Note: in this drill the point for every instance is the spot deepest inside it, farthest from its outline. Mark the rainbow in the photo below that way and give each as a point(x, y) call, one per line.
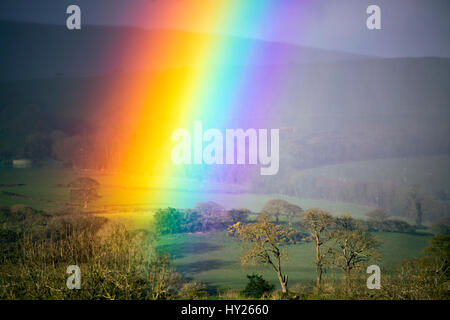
point(212, 78)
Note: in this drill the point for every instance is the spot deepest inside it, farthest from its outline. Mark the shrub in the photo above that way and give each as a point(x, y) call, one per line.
point(401, 226)
point(164, 281)
point(118, 265)
point(83, 183)
point(168, 220)
point(213, 215)
point(238, 215)
point(301, 290)
point(5, 213)
point(441, 226)
point(60, 227)
point(378, 215)
point(192, 221)
point(209, 208)
point(193, 290)
point(20, 212)
point(390, 226)
point(257, 286)
point(227, 293)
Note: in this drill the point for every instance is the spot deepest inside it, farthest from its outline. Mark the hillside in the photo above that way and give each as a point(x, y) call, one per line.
point(381, 92)
point(35, 51)
point(351, 107)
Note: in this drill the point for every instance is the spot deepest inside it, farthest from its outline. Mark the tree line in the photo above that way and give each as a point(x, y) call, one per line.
point(117, 263)
point(344, 243)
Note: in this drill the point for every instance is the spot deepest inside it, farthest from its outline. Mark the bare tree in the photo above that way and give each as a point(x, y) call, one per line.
point(84, 189)
point(354, 247)
point(265, 239)
point(278, 207)
point(319, 224)
point(211, 213)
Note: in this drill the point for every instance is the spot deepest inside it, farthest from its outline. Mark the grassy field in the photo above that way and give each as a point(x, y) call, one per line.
point(43, 184)
point(214, 258)
point(430, 171)
point(132, 205)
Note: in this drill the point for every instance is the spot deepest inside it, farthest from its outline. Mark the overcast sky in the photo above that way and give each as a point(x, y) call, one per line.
point(409, 27)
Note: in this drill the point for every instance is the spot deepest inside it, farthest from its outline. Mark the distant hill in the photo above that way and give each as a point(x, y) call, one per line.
point(34, 50)
point(401, 93)
point(354, 109)
point(339, 104)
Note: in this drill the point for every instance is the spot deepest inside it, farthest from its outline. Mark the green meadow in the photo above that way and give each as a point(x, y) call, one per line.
point(211, 258)
point(45, 184)
point(214, 258)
